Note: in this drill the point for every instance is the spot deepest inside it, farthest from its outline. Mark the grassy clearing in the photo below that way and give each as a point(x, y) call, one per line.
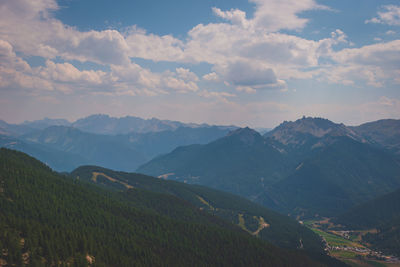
point(242, 223)
point(96, 174)
point(334, 240)
point(205, 203)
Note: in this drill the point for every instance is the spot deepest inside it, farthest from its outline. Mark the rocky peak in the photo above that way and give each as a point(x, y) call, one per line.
point(295, 132)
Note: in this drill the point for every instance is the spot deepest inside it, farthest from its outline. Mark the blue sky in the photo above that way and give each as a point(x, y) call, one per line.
point(254, 63)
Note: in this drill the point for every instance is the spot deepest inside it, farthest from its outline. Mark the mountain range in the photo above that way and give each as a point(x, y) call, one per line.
point(308, 167)
point(304, 168)
point(103, 124)
point(65, 146)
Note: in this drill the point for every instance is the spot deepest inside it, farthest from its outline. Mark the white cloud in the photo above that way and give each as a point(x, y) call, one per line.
point(220, 96)
point(66, 72)
point(390, 15)
point(376, 64)
point(274, 15)
point(153, 47)
point(186, 74)
point(212, 76)
point(15, 73)
point(235, 16)
point(272, 57)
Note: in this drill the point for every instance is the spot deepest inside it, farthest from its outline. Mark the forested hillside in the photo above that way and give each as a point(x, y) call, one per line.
point(47, 220)
point(256, 219)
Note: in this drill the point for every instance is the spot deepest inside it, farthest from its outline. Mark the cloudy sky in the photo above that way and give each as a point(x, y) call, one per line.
point(255, 62)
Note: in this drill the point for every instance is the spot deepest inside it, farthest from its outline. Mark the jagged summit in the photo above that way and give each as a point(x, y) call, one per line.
point(290, 132)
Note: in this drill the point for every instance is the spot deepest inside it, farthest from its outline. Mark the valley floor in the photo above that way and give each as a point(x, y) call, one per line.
point(348, 247)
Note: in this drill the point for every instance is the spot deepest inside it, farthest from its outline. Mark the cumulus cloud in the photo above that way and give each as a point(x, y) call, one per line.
point(153, 47)
point(66, 72)
point(235, 16)
point(374, 63)
point(389, 15)
point(186, 74)
point(274, 15)
point(247, 77)
point(212, 76)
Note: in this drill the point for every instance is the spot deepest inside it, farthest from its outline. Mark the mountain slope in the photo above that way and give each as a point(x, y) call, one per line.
point(384, 133)
point(281, 230)
point(337, 177)
point(381, 210)
point(47, 219)
point(237, 163)
point(383, 214)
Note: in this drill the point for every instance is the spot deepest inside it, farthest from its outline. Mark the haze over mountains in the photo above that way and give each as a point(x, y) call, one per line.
point(117, 143)
point(303, 168)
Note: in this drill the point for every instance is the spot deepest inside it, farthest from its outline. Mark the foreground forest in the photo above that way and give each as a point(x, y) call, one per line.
point(48, 219)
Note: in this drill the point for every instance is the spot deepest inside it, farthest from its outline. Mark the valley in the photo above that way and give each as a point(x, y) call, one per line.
point(348, 246)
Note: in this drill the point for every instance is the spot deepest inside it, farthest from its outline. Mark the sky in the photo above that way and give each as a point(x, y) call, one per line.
point(249, 63)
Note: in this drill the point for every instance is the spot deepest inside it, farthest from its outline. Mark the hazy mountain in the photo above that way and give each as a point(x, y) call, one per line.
point(119, 152)
point(50, 219)
point(14, 129)
point(307, 167)
point(303, 131)
point(385, 133)
point(236, 163)
point(57, 159)
point(103, 150)
point(104, 124)
point(155, 143)
point(45, 123)
point(262, 130)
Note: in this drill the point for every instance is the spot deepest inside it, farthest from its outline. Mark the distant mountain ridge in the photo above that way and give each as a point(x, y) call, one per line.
point(116, 143)
point(56, 146)
point(105, 124)
point(384, 133)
